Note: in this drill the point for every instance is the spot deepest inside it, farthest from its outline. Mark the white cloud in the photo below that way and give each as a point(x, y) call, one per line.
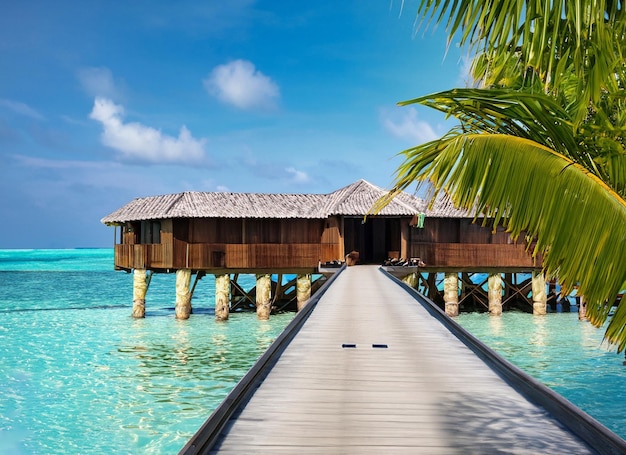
point(21, 109)
point(240, 84)
point(409, 127)
point(222, 189)
point(297, 176)
point(98, 82)
point(465, 78)
point(140, 142)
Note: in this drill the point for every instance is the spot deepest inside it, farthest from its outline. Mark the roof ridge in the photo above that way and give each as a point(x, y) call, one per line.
point(349, 191)
point(401, 202)
point(350, 200)
point(394, 199)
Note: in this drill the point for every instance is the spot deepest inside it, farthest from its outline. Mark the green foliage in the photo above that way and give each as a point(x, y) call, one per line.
point(540, 146)
point(533, 190)
point(549, 36)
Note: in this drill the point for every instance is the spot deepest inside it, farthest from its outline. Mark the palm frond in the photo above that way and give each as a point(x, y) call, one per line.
point(598, 145)
point(534, 116)
point(587, 36)
point(577, 219)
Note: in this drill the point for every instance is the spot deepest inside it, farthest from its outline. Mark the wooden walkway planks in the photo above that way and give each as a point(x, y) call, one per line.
point(425, 393)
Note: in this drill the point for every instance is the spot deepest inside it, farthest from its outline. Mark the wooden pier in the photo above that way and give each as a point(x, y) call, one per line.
point(371, 367)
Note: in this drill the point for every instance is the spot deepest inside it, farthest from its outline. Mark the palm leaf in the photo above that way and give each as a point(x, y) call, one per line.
point(597, 145)
point(577, 220)
point(586, 36)
point(534, 116)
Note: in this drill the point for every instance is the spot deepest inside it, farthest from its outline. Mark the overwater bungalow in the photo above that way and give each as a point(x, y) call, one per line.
point(226, 234)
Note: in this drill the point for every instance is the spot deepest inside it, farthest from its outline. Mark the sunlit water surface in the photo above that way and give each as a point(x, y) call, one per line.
point(78, 375)
point(565, 354)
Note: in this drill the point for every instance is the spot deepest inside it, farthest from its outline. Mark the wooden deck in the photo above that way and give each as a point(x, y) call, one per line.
point(425, 392)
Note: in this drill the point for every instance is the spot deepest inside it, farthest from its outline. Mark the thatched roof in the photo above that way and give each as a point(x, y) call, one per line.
point(353, 200)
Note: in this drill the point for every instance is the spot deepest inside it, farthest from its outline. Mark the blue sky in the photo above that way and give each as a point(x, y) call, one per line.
point(105, 101)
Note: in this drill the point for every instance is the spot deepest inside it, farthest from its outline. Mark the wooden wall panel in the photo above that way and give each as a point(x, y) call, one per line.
point(203, 230)
point(230, 230)
point(160, 256)
point(166, 226)
point(237, 256)
point(262, 231)
point(272, 256)
point(180, 229)
point(473, 256)
point(300, 231)
point(404, 238)
point(330, 252)
point(331, 232)
point(474, 232)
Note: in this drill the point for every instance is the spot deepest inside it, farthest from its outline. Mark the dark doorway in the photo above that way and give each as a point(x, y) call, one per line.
point(375, 240)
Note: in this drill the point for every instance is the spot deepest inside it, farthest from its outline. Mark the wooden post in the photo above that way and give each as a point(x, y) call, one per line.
point(495, 294)
point(140, 289)
point(222, 296)
point(303, 290)
point(183, 296)
point(411, 280)
point(451, 293)
point(431, 282)
point(539, 293)
point(508, 285)
point(263, 296)
point(582, 308)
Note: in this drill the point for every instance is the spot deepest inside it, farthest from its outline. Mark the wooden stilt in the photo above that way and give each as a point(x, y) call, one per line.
point(582, 308)
point(199, 276)
point(451, 293)
point(539, 293)
point(495, 294)
point(240, 299)
point(303, 289)
point(222, 296)
point(516, 291)
point(432, 285)
point(278, 290)
point(263, 296)
point(508, 285)
point(183, 294)
point(422, 284)
point(466, 286)
point(141, 281)
point(473, 291)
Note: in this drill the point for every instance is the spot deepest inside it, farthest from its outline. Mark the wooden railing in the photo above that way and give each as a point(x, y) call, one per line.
point(474, 256)
point(144, 256)
point(272, 256)
point(204, 256)
point(201, 256)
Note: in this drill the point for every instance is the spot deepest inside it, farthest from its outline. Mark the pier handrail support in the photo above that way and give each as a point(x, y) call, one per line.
point(593, 433)
point(208, 434)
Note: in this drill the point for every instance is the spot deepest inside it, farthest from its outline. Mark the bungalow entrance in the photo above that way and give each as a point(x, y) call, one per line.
point(376, 239)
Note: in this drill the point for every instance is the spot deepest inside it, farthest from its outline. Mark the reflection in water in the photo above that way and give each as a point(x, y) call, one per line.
point(79, 375)
point(182, 369)
point(539, 336)
point(565, 354)
point(495, 324)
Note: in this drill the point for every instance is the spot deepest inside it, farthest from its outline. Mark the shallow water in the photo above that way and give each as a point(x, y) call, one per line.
point(565, 354)
point(79, 375)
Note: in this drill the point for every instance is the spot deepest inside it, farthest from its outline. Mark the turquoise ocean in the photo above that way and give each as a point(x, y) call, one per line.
point(78, 375)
